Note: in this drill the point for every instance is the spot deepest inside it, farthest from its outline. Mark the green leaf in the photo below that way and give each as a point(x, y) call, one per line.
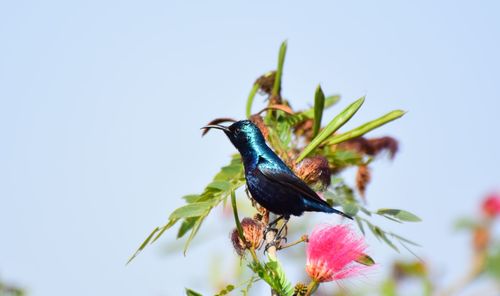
point(399, 214)
point(309, 113)
point(279, 71)
point(384, 237)
point(236, 218)
point(360, 225)
point(250, 99)
point(332, 127)
point(186, 225)
point(366, 260)
point(403, 239)
point(465, 224)
point(220, 185)
point(493, 262)
point(350, 208)
point(331, 100)
point(190, 292)
point(319, 105)
point(196, 227)
point(363, 129)
point(158, 231)
point(191, 198)
point(225, 291)
point(191, 210)
point(144, 244)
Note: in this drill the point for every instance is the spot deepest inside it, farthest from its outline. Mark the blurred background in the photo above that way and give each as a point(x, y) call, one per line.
point(101, 105)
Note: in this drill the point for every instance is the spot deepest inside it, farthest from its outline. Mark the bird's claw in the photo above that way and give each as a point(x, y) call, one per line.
point(277, 243)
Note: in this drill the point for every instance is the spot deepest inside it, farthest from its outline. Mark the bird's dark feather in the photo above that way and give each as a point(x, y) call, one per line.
point(290, 181)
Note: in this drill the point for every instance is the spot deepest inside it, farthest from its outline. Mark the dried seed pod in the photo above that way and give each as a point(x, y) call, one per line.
point(384, 143)
point(314, 171)
point(266, 82)
point(253, 232)
point(363, 177)
point(372, 147)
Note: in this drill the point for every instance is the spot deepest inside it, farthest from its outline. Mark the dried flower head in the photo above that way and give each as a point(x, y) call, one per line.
point(372, 147)
point(363, 177)
point(253, 232)
point(332, 252)
point(491, 205)
point(314, 171)
point(266, 82)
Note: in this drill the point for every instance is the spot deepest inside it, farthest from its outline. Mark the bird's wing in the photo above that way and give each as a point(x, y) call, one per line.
point(289, 180)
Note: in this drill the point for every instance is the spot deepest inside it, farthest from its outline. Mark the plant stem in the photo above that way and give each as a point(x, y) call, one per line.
point(254, 255)
point(303, 238)
point(312, 287)
point(270, 235)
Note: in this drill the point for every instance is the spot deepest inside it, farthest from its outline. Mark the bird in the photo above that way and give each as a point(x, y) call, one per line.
point(269, 180)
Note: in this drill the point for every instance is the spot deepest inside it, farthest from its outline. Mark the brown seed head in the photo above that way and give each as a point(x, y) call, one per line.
point(253, 232)
point(266, 82)
point(363, 177)
point(314, 171)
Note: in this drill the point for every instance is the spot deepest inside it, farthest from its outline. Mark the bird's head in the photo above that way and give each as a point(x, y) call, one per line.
point(243, 134)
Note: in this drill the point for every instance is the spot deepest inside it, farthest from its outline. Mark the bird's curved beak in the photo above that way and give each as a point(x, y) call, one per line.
point(206, 128)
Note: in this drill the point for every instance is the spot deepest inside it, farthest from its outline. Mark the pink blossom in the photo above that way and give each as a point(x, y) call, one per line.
point(491, 205)
point(332, 252)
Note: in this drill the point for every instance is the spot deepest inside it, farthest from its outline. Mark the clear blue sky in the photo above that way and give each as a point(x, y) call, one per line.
point(101, 104)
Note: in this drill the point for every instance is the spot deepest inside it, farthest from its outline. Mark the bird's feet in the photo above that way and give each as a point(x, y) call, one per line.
point(277, 243)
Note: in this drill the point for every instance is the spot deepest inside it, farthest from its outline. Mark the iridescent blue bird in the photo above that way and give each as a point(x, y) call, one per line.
point(271, 183)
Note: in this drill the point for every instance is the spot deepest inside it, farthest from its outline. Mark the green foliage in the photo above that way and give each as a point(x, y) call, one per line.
point(363, 129)
point(225, 291)
point(199, 206)
point(319, 105)
point(272, 273)
point(493, 262)
point(279, 72)
point(332, 127)
point(288, 132)
point(399, 214)
point(250, 99)
point(190, 292)
point(236, 217)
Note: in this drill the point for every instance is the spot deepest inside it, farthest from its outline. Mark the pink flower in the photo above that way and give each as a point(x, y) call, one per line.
point(491, 205)
point(332, 252)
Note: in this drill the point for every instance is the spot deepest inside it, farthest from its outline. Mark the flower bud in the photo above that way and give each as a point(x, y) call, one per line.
point(491, 205)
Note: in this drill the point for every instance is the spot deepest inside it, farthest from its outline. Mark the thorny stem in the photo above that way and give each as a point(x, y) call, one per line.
point(312, 287)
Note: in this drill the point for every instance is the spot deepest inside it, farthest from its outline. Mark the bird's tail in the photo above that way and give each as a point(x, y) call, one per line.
point(326, 208)
point(332, 210)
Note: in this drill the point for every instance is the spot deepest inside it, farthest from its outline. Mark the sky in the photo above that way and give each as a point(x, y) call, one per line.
point(101, 104)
